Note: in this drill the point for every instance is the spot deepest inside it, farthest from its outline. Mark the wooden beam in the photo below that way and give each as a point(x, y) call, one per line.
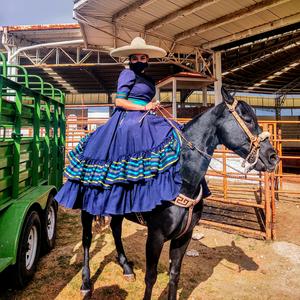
point(174, 102)
point(180, 13)
point(229, 18)
point(253, 31)
point(129, 9)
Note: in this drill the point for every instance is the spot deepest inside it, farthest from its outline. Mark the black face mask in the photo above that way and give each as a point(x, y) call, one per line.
point(138, 67)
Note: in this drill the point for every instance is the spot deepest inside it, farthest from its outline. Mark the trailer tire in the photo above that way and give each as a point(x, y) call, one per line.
point(28, 250)
point(49, 228)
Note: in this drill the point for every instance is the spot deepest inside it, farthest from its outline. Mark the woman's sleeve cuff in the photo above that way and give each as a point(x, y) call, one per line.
point(121, 95)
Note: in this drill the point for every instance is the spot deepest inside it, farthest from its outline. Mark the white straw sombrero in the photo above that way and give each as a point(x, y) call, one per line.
point(138, 46)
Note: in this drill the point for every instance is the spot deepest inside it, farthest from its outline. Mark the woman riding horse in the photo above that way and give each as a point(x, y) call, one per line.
point(135, 163)
point(130, 164)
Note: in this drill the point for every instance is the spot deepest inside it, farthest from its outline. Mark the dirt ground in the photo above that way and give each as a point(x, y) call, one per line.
point(229, 266)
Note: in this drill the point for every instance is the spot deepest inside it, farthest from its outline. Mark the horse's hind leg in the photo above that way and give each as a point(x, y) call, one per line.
point(116, 227)
point(177, 251)
point(86, 221)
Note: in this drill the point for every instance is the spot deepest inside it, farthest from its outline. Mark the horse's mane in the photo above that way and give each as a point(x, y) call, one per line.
point(195, 119)
point(245, 106)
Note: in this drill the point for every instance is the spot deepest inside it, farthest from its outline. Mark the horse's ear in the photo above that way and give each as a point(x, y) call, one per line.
point(226, 96)
point(233, 244)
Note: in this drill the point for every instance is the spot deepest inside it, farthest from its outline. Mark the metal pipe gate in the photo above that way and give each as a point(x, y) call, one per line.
point(252, 197)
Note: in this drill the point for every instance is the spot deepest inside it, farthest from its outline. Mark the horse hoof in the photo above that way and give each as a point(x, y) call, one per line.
point(129, 277)
point(86, 294)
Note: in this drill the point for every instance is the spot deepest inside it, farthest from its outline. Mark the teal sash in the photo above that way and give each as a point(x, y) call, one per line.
point(138, 101)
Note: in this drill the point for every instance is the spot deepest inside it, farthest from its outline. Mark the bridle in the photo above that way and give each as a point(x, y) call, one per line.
point(255, 140)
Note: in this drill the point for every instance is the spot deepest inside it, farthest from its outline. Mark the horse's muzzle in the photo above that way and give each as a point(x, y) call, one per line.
point(271, 160)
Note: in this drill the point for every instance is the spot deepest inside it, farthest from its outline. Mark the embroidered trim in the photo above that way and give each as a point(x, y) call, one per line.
point(138, 166)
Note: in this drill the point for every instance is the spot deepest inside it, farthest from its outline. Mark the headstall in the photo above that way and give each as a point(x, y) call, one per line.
point(255, 140)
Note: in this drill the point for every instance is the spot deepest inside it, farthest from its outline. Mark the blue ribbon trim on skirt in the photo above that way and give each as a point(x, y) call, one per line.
point(131, 168)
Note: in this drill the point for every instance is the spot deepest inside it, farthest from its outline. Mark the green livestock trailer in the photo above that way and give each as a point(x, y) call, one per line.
point(32, 137)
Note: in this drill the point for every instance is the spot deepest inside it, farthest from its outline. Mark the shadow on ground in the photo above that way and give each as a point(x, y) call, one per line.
point(191, 276)
point(57, 269)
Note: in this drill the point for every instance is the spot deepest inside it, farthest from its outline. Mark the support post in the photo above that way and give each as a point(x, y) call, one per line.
point(109, 100)
point(267, 206)
point(204, 96)
point(157, 94)
point(174, 104)
point(278, 108)
point(218, 74)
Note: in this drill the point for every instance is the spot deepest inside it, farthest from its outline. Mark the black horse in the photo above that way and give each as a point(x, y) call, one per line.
point(216, 126)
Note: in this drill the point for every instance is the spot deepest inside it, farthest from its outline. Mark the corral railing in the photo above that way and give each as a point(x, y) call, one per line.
point(244, 205)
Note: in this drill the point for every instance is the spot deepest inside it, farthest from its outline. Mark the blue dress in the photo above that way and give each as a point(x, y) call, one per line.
point(130, 164)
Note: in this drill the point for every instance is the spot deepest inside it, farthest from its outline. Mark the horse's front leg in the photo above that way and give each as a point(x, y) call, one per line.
point(86, 221)
point(154, 245)
point(116, 227)
point(177, 251)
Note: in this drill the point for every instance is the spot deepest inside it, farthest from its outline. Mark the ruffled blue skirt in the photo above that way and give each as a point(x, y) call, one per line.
point(130, 164)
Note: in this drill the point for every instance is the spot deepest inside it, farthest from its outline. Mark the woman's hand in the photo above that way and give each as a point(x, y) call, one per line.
point(152, 105)
point(127, 105)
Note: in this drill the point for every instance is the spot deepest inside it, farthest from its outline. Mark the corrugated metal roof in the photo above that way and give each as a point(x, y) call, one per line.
point(217, 33)
point(99, 29)
point(134, 21)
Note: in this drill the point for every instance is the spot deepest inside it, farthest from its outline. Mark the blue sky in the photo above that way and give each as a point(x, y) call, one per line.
point(30, 12)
